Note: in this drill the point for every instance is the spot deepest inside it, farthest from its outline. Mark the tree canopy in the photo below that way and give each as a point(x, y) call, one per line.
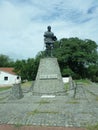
point(26, 68)
point(76, 54)
point(5, 61)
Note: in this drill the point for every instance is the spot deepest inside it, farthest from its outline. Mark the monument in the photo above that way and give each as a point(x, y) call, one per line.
point(49, 80)
point(49, 39)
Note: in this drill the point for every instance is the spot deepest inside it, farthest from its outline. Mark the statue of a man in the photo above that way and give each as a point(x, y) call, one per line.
point(49, 40)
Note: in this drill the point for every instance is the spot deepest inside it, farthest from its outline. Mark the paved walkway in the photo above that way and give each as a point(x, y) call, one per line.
point(59, 111)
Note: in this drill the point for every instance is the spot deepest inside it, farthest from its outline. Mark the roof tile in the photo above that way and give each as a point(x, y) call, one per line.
point(8, 70)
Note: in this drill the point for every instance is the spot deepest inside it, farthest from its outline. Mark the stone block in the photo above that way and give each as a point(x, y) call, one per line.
point(16, 92)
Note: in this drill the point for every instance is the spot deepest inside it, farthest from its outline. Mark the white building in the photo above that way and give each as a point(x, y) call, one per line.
point(67, 79)
point(8, 77)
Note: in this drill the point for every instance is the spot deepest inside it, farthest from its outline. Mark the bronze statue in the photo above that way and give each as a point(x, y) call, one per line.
point(49, 39)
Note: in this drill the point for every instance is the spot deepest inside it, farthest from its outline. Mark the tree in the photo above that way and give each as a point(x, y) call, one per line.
point(5, 61)
point(19, 68)
point(93, 72)
point(76, 54)
point(67, 72)
point(27, 69)
point(31, 67)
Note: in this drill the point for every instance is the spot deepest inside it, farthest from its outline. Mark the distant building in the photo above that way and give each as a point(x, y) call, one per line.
point(8, 77)
point(67, 79)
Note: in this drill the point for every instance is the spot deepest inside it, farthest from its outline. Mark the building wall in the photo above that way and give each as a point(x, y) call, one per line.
point(8, 79)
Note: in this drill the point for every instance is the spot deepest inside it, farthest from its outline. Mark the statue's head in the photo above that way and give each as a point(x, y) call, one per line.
point(49, 28)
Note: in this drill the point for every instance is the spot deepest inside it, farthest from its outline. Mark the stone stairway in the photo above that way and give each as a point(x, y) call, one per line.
point(48, 79)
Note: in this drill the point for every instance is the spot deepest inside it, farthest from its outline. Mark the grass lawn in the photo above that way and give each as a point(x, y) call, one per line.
point(92, 127)
point(83, 81)
point(27, 84)
point(5, 88)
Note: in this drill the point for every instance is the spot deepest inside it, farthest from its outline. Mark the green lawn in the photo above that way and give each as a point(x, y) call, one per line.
point(27, 84)
point(83, 81)
point(5, 88)
point(92, 127)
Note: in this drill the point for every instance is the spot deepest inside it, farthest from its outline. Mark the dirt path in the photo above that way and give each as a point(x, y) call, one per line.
point(10, 127)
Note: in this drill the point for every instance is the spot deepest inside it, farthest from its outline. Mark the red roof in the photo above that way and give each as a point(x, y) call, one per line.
point(8, 70)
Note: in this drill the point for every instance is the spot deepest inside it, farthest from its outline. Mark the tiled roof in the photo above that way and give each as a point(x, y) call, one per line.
point(8, 70)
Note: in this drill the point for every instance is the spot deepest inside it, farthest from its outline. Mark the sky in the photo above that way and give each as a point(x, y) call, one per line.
point(23, 23)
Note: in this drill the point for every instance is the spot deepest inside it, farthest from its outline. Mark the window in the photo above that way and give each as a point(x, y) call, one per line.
point(6, 78)
point(17, 77)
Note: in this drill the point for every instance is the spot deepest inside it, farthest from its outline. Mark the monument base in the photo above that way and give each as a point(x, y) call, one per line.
point(48, 79)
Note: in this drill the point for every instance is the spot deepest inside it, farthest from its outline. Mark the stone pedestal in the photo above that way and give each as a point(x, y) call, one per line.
point(48, 80)
point(16, 92)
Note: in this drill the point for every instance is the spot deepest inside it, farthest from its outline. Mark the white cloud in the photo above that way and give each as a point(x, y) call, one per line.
point(23, 22)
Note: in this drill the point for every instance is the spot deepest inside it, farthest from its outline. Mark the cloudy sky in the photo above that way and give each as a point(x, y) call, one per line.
point(23, 22)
